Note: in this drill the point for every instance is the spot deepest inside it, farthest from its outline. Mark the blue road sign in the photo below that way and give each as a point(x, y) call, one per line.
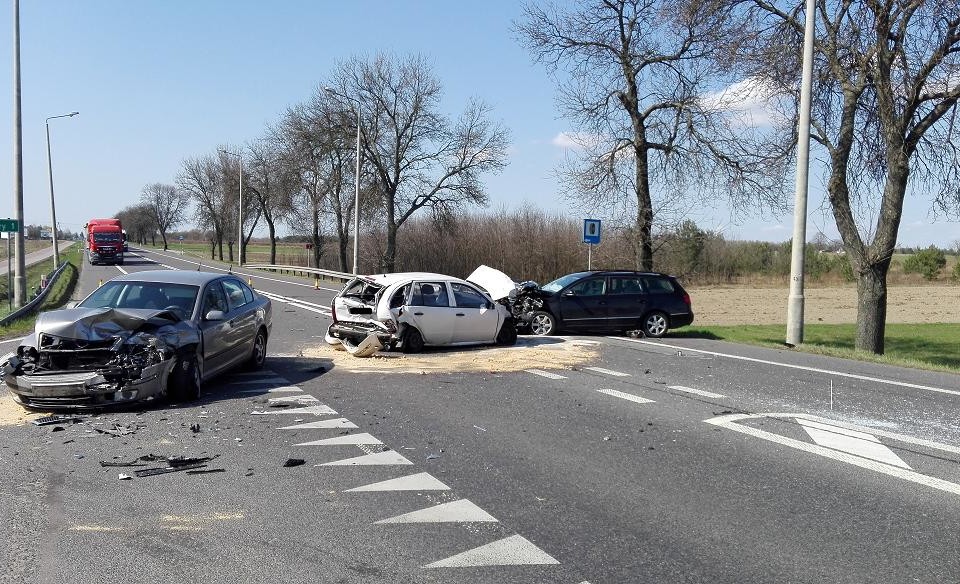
point(591, 231)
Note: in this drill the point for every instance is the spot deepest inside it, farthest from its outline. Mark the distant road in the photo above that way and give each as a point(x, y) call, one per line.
point(38, 256)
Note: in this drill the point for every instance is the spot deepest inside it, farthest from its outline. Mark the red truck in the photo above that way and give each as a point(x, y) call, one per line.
point(105, 241)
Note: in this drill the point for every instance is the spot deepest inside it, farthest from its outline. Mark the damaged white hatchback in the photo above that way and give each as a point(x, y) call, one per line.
point(413, 310)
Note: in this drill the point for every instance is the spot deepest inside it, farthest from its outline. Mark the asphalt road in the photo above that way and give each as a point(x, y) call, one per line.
point(675, 460)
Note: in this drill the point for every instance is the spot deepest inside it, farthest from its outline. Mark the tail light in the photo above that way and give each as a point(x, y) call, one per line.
point(333, 310)
point(686, 299)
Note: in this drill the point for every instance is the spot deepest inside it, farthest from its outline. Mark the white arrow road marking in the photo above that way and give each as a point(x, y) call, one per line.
point(320, 410)
point(696, 391)
point(334, 423)
point(284, 389)
point(294, 399)
point(377, 458)
point(461, 511)
point(363, 438)
point(546, 374)
point(730, 422)
point(845, 440)
point(626, 396)
point(515, 550)
point(422, 481)
point(607, 371)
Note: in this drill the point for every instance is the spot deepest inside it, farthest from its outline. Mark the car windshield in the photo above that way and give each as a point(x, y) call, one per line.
point(149, 295)
point(106, 237)
point(563, 282)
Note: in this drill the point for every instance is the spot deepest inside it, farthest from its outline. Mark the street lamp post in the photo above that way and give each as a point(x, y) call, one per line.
point(20, 273)
point(53, 203)
point(356, 191)
point(240, 257)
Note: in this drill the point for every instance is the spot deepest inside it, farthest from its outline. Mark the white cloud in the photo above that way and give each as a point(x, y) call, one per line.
point(575, 140)
point(747, 102)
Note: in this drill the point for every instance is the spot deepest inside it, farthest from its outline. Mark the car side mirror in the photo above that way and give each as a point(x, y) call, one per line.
point(569, 293)
point(214, 315)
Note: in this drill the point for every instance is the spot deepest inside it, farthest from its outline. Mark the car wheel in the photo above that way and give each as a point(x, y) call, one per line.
point(412, 341)
point(542, 323)
point(508, 334)
point(259, 355)
point(655, 324)
point(184, 381)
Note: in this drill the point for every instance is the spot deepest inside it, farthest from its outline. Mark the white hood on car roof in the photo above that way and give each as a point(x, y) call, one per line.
point(495, 282)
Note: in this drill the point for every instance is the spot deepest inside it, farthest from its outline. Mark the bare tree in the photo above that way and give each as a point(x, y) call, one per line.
point(634, 77)
point(202, 179)
point(168, 206)
point(272, 182)
point(420, 158)
point(139, 223)
point(887, 81)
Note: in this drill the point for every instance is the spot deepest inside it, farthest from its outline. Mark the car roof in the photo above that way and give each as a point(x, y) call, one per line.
point(623, 272)
point(388, 279)
point(195, 278)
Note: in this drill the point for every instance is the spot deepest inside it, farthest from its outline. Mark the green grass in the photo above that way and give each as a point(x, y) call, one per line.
point(58, 296)
point(920, 346)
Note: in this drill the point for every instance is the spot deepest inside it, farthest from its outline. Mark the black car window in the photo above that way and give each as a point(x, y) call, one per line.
point(399, 297)
point(213, 298)
point(247, 293)
point(625, 285)
point(467, 297)
point(234, 292)
point(656, 285)
point(430, 294)
point(590, 287)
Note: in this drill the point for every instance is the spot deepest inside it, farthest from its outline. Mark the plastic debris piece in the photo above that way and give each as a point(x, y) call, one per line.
point(57, 429)
point(124, 477)
point(177, 461)
point(149, 472)
point(291, 462)
point(56, 419)
point(206, 471)
point(122, 463)
point(195, 428)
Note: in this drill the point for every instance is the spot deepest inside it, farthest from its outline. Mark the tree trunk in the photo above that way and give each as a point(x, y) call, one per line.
point(644, 205)
point(273, 241)
point(230, 251)
point(342, 244)
point(213, 248)
point(163, 234)
point(872, 307)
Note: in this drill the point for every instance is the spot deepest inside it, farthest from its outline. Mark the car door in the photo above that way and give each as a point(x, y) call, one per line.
point(431, 313)
point(241, 318)
point(626, 301)
point(583, 304)
point(215, 333)
point(476, 317)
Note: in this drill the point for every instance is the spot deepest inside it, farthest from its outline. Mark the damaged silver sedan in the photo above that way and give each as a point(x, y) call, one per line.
point(414, 310)
point(143, 336)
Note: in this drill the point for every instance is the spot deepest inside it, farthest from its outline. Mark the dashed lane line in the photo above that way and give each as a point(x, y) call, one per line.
point(626, 396)
point(607, 371)
point(122, 271)
point(696, 391)
point(318, 308)
point(546, 374)
point(801, 367)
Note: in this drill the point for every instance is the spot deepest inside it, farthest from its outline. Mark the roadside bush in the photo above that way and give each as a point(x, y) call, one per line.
point(956, 272)
point(928, 263)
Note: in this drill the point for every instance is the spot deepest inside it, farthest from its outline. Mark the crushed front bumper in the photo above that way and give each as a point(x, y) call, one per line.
point(86, 389)
point(359, 339)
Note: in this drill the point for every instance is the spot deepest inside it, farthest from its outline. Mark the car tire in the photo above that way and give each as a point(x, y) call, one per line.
point(259, 354)
point(542, 323)
point(655, 324)
point(508, 334)
point(412, 341)
point(184, 381)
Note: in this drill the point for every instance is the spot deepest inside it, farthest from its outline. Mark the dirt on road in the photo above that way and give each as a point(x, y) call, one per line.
point(834, 305)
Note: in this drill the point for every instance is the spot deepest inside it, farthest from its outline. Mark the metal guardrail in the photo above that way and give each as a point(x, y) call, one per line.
point(29, 307)
point(316, 271)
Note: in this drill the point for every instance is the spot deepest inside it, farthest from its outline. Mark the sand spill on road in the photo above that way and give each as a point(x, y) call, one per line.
point(13, 414)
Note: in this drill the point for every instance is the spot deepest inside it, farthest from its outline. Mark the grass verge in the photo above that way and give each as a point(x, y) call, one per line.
point(58, 296)
point(921, 346)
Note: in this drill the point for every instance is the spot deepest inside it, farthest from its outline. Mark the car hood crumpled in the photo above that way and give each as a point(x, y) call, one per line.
point(100, 324)
point(495, 282)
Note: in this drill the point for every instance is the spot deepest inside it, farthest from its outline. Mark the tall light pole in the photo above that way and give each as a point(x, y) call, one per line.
point(240, 257)
point(53, 203)
point(795, 301)
point(356, 190)
point(20, 272)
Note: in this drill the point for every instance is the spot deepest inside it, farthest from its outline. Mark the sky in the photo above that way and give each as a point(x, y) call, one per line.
point(158, 81)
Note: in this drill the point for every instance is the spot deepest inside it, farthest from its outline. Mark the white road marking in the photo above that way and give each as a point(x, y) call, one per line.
point(363, 438)
point(546, 374)
point(730, 422)
point(319, 308)
point(153, 261)
point(389, 457)
point(515, 550)
point(334, 423)
point(422, 481)
point(301, 400)
point(122, 271)
point(286, 388)
point(10, 341)
point(320, 410)
point(851, 441)
point(607, 371)
point(696, 391)
point(626, 396)
point(801, 367)
point(460, 511)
